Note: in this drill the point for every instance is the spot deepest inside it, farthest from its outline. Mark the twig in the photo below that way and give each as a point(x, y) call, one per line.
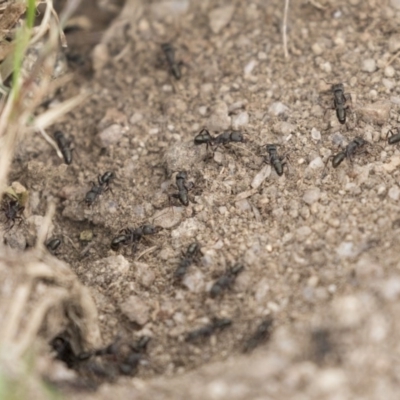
point(284, 28)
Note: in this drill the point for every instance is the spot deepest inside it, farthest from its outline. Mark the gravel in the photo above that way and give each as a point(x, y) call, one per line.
point(368, 65)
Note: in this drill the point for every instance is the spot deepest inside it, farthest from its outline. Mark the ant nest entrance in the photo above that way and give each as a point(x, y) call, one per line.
point(39, 298)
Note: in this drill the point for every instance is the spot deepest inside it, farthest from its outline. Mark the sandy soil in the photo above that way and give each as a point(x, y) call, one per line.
point(319, 247)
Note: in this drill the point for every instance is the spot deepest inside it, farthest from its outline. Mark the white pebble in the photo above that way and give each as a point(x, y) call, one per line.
point(394, 43)
point(317, 163)
point(219, 119)
point(312, 195)
point(330, 380)
point(194, 281)
point(203, 110)
point(389, 71)
point(277, 108)
point(394, 193)
point(315, 134)
point(368, 65)
point(326, 67)
point(346, 250)
point(220, 17)
point(248, 69)
point(263, 174)
point(262, 55)
point(389, 84)
point(317, 49)
point(348, 311)
point(240, 120)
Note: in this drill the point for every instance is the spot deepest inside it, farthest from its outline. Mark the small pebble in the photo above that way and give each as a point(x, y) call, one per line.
point(117, 264)
point(389, 84)
point(219, 119)
point(312, 195)
point(317, 49)
point(303, 232)
point(315, 134)
point(144, 274)
point(317, 163)
point(194, 281)
point(168, 217)
point(248, 69)
point(389, 71)
point(240, 120)
point(243, 205)
point(111, 135)
point(368, 65)
point(377, 112)
point(220, 17)
point(394, 193)
point(394, 43)
point(262, 56)
point(135, 310)
point(277, 108)
point(260, 177)
point(392, 165)
point(182, 156)
point(135, 118)
point(346, 250)
point(348, 311)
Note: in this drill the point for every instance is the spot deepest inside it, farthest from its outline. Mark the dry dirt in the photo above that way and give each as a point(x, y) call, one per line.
point(320, 248)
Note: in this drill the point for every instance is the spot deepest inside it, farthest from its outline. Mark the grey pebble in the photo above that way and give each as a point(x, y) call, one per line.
point(135, 310)
point(260, 177)
point(312, 195)
point(377, 112)
point(111, 135)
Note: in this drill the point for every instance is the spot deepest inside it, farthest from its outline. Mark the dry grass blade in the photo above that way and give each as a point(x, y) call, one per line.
point(49, 117)
point(284, 28)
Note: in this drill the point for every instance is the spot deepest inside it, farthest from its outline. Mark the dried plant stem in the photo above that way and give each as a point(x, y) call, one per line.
point(284, 28)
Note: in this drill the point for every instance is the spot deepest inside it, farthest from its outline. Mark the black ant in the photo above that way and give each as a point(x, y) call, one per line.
point(127, 356)
point(226, 281)
point(133, 236)
point(339, 101)
point(64, 145)
point(348, 152)
point(53, 244)
point(183, 188)
point(96, 190)
point(224, 138)
point(261, 335)
point(276, 160)
point(12, 210)
point(393, 138)
point(216, 324)
point(170, 56)
point(187, 261)
point(65, 352)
